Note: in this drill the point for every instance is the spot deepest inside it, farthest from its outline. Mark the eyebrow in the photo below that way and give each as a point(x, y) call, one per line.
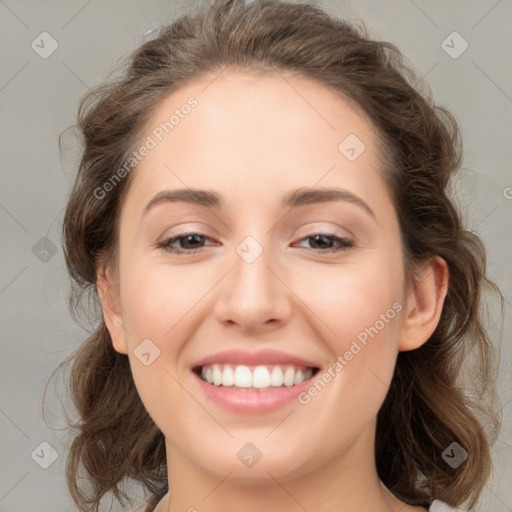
point(294, 199)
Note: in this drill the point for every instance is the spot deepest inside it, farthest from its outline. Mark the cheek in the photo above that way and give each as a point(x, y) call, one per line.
point(350, 300)
point(156, 298)
point(157, 325)
point(361, 308)
point(160, 306)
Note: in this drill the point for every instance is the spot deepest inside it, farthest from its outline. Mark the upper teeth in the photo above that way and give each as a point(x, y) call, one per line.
point(242, 376)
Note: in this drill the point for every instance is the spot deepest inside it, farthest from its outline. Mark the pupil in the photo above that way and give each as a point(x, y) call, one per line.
point(319, 237)
point(192, 237)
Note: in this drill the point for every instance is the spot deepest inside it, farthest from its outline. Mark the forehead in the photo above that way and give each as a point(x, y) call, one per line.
point(268, 103)
point(246, 130)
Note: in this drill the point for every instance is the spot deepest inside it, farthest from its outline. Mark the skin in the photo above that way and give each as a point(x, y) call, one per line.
point(252, 138)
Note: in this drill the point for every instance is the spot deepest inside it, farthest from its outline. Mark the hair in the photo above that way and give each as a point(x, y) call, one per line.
point(430, 404)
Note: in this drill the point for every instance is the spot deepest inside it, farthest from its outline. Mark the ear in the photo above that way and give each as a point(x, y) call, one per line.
point(424, 304)
point(108, 291)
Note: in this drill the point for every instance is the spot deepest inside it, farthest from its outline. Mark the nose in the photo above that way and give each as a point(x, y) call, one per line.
point(253, 295)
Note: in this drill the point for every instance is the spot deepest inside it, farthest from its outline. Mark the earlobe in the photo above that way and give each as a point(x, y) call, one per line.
point(424, 305)
point(108, 295)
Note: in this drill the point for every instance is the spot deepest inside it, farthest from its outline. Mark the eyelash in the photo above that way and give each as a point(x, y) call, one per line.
point(166, 244)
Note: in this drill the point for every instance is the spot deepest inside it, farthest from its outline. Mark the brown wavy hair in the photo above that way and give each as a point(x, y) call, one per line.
point(431, 402)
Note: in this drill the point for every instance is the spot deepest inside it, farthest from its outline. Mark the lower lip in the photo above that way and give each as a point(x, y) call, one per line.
point(266, 400)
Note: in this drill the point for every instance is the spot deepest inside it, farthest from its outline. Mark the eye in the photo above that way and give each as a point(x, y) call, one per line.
point(191, 242)
point(319, 238)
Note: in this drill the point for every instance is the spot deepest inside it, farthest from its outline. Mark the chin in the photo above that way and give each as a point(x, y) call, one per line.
point(264, 471)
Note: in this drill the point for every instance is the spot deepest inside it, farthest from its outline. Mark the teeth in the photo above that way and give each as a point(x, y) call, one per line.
point(258, 377)
point(289, 377)
point(217, 375)
point(276, 377)
point(243, 376)
point(228, 377)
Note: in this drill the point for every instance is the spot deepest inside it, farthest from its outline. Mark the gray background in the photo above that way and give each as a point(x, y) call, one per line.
point(38, 100)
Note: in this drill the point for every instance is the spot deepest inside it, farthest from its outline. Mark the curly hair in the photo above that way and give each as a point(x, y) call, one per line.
point(430, 403)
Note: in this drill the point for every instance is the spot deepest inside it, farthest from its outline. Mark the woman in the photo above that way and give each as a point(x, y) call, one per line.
point(288, 295)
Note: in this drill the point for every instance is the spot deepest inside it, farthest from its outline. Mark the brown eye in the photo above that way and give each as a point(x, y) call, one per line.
point(321, 240)
point(189, 242)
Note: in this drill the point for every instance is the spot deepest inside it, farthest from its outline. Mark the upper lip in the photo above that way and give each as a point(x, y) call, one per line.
point(261, 357)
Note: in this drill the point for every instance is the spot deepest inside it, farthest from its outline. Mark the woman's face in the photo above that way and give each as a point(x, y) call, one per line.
point(281, 279)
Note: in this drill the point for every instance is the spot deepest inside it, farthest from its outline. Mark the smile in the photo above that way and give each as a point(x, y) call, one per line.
point(254, 378)
point(253, 382)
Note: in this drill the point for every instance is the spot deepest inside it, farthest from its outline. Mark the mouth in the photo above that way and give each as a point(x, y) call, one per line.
point(245, 382)
point(242, 377)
